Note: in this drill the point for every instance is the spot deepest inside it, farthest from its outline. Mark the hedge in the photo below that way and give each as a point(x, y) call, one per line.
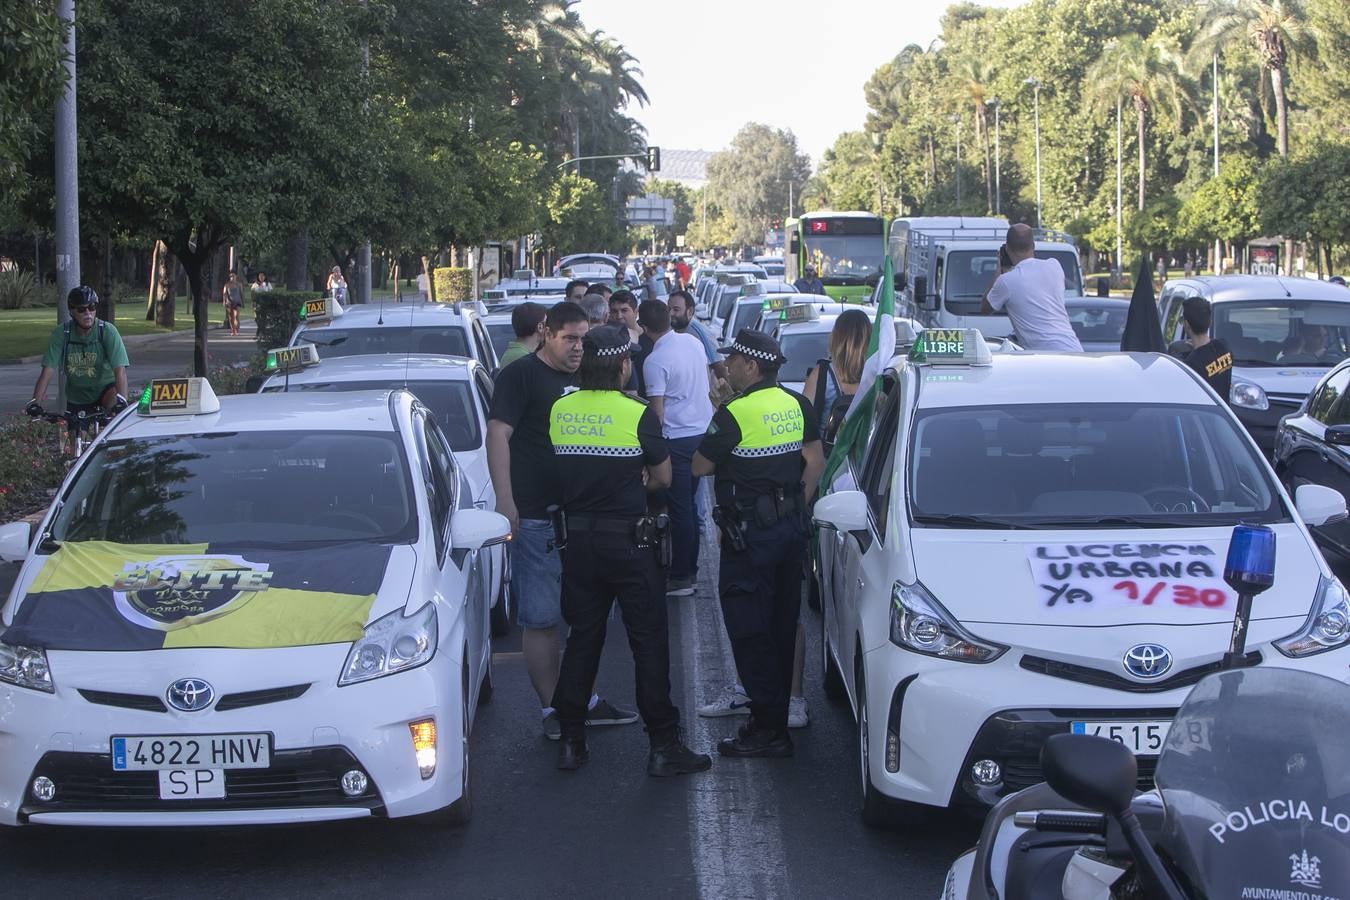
point(452, 285)
point(277, 314)
point(31, 465)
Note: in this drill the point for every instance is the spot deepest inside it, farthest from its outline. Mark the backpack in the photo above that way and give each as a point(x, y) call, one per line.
point(830, 409)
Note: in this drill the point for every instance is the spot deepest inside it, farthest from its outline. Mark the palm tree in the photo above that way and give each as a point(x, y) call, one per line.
point(976, 75)
point(1273, 28)
point(1147, 72)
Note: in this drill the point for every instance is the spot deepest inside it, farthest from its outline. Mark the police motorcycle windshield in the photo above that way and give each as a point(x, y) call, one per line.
point(1255, 778)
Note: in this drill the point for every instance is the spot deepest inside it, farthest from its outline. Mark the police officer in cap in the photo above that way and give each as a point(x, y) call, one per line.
point(764, 446)
point(612, 451)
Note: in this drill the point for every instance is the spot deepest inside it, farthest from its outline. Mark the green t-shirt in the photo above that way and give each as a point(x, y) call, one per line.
point(89, 360)
point(514, 351)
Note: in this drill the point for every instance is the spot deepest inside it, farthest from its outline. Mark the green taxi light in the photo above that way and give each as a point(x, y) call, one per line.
point(143, 405)
point(271, 360)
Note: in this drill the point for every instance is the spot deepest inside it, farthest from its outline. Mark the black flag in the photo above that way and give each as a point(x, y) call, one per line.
point(1143, 330)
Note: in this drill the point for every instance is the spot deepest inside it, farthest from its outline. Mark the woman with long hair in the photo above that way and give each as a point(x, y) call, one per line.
point(831, 384)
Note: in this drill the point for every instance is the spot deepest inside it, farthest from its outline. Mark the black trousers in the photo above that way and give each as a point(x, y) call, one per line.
point(760, 589)
point(598, 568)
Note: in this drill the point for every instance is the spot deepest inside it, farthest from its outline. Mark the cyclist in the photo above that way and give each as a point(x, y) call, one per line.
point(91, 354)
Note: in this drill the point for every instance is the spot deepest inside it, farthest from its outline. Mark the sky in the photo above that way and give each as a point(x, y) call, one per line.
point(710, 66)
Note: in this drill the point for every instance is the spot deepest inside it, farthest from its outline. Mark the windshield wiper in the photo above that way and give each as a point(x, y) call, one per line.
point(958, 519)
point(322, 343)
point(1113, 521)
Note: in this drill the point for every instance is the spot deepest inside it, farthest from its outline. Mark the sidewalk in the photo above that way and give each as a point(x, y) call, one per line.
point(152, 356)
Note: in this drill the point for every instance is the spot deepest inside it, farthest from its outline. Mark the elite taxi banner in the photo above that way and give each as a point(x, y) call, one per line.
point(95, 595)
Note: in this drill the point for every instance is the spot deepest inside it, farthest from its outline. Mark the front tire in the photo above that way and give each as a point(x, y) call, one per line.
point(458, 814)
point(878, 810)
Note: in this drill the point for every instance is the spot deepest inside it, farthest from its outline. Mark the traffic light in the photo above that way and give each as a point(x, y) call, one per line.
point(653, 159)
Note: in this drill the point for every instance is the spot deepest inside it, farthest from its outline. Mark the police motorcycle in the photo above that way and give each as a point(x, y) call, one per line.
point(1252, 794)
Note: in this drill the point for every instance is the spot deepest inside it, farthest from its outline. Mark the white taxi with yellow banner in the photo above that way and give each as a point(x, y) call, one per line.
point(259, 609)
point(1036, 545)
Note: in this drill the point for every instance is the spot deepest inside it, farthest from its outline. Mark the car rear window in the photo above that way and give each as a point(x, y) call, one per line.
point(442, 340)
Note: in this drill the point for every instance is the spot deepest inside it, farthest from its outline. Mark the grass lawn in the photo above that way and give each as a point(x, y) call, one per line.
point(24, 332)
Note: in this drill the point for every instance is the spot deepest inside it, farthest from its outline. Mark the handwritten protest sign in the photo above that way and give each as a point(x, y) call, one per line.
point(1101, 575)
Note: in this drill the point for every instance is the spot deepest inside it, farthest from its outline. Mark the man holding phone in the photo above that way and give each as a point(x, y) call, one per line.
point(1030, 292)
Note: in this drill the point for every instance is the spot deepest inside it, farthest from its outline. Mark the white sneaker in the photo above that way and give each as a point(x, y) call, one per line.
point(731, 702)
point(797, 717)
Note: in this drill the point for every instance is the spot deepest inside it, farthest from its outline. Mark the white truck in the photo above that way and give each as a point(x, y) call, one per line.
point(944, 265)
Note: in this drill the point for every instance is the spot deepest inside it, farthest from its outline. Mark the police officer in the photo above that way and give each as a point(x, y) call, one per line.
point(764, 446)
point(610, 444)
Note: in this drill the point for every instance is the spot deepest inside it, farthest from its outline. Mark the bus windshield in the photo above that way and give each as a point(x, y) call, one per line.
point(966, 275)
point(845, 259)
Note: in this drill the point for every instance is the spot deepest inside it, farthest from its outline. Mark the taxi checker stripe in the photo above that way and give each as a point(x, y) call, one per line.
point(793, 447)
point(756, 354)
point(581, 450)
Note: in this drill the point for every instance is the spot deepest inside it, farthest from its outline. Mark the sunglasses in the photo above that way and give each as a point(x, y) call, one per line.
point(84, 308)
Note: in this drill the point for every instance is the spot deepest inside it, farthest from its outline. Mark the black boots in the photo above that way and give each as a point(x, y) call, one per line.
point(672, 757)
point(753, 742)
point(572, 753)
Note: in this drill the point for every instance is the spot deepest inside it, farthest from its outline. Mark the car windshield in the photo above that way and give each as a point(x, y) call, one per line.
point(501, 334)
point(451, 402)
point(536, 291)
point(845, 259)
point(276, 488)
point(724, 303)
point(747, 314)
point(1098, 324)
point(1284, 332)
point(966, 275)
point(442, 340)
point(803, 351)
point(1107, 464)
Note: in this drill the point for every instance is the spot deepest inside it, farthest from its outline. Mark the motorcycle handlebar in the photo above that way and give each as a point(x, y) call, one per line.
point(1081, 821)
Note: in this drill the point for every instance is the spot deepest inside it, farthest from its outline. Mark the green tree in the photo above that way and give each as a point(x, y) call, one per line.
point(577, 216)
point(1225, 208)
point(31, 39)
point(1308, 196)
point(751, 179)
point(848, 175)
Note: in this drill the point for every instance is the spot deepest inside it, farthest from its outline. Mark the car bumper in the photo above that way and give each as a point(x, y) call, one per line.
point(317, 736)
point(944, 716)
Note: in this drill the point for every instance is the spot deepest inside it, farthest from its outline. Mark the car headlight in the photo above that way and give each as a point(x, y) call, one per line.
point(1328, 625)
point(392, 644)
point(1248, 395)
point(26, 667)
point(921, 625)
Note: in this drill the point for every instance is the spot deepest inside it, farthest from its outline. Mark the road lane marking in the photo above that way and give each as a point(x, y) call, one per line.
point(737, 842)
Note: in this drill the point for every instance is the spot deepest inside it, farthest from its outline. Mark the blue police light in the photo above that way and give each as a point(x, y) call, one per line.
point(1250, 567)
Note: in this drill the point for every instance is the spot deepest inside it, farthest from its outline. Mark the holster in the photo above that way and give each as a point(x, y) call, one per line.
point(558, 519)
point(665, 541)
point(729, 521)
point(766, 510)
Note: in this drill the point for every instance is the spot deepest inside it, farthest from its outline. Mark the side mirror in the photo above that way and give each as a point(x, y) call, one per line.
point(1318, 504)
point(254, 384)
point(474, 529)
point(1338, 435)
point(1103, 287)
point(15, 539)
point(921, 298)
point(1094, 772)
point(842, 511)
point(901, 281)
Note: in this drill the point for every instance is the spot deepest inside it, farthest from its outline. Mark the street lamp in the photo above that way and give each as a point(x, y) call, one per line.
point(956, 122)
point(1035, 84)
point(998, 188)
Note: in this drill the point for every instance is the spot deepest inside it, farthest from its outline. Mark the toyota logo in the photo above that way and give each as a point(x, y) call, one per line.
point(1148, 660)
point(190, 694)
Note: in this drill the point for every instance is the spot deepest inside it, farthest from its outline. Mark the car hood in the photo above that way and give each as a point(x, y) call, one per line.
point(1296, 380)
point(96, 595)
point(1102, 578)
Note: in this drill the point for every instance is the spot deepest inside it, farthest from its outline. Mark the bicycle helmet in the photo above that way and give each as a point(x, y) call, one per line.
point(83, 295)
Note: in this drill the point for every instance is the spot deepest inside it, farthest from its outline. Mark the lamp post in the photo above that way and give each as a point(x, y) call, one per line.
point(1218, 247)
point(1035, 84)
point(998, 187)
point(956, 123)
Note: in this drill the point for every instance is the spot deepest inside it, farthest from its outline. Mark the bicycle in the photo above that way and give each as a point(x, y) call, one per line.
point(83, 427)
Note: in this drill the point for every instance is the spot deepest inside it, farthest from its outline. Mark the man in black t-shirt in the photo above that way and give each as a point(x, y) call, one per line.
point(520, 459)
point(1210, 357)
point(613, 452)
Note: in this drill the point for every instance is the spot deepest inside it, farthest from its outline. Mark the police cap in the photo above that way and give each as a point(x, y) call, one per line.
point(758, 346)
point(605, 341)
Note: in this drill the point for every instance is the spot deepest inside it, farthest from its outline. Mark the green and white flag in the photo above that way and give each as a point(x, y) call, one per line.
point(858, 420)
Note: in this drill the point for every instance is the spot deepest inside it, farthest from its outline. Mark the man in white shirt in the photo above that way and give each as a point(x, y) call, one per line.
point(424, 287)
point(1030, 292)
point(676, 376)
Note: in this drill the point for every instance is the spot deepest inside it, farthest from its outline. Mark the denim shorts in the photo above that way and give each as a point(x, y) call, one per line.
point(536, 575)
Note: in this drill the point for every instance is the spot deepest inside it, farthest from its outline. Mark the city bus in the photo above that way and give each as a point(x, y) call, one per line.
point(847, 250)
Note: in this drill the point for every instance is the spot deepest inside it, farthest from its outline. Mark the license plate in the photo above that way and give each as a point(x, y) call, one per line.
point(1144, 738)
point(192, 784)
point(157, 752)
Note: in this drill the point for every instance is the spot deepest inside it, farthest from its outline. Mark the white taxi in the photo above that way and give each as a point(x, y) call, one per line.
point(441, 329)
point(254, 610)
point(1036, 545)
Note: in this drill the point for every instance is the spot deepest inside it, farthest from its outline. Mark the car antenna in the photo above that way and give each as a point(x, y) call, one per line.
point(380, 321)
point(1283, 287)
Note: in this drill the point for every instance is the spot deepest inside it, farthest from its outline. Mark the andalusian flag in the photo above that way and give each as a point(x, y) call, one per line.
point(858, 420)
point(95, 595)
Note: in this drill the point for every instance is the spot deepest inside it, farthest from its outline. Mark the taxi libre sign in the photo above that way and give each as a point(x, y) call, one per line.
point(1098, 576)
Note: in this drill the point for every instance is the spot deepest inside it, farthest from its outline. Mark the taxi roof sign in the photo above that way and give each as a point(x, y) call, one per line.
point(782, 301)
point(800, 312)
point(752, 288)
point(317, 310)
point(950, 347)
point(178, 397)
point(291, 359)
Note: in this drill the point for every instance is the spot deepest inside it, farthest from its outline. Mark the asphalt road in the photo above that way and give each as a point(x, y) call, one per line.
point(152, 356)
point(752, 829)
